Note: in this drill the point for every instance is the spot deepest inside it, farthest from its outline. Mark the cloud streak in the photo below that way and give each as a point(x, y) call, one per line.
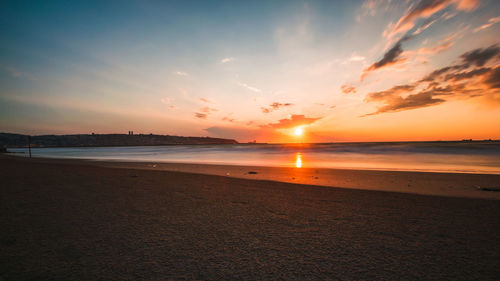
point(479, 57)
point(204, 112)
point(394, 103)
point(226, 60)
point(425, 9)
point(348, 89)
point(248, 87)
point(201, 115)
point(391, 57)
point(228, 119)
point(490, 22)
point(476, 75)
point(208, 109)
point(181, 73)
point(275, 106)
point(205, 100)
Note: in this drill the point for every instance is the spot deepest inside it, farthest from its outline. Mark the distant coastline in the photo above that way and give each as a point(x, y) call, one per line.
point(13, 140)
point(9, 140)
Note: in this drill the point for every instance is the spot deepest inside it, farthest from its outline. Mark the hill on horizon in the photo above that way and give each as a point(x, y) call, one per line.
point(82, 140)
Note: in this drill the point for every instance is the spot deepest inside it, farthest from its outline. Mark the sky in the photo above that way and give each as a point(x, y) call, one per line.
point(374, 70)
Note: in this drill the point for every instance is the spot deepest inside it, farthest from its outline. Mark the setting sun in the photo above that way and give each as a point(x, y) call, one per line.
point(299, 131)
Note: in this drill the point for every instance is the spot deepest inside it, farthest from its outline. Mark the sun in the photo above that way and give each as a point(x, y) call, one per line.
point(299, 131)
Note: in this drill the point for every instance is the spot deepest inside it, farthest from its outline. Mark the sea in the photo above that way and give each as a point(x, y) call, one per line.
point(457, 157)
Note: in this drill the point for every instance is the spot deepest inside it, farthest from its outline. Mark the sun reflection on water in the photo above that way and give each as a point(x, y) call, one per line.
point(298, 160)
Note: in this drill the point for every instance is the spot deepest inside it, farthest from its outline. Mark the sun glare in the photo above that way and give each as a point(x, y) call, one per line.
point(299, 131)
point(298, 160)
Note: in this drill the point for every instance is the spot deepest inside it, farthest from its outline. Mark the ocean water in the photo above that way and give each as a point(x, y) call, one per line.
point(463, 157)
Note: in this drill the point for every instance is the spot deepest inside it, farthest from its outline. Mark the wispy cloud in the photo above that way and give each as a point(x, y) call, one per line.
point(432, 50)
point(168, 102)
point(347, 89)
point(205, 100)
point(476, 75)
point(181, 73)
point(204, 112)
point(425, 9)
point(248, 87)
point(200, 115)
point(424, 27)
point(355, 57)
point(228, 119)
point(228, 59)
point(372, 7)
point(391, 57)
point(397, 103)
point(208, 109)
point(275, 106)
point(397, 55)
point(491, 22)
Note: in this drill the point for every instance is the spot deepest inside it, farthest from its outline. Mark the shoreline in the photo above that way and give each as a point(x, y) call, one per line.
point(461, 185)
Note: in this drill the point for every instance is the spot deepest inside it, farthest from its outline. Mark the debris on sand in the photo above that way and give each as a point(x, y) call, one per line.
point(488, 188)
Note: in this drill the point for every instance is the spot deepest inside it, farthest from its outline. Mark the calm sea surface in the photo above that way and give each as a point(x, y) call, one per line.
point(475, 157)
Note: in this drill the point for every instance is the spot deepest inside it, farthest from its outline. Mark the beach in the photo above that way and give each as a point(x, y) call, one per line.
point(89, 220)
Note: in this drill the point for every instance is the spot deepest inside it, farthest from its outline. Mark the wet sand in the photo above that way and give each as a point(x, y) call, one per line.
point(425, 183)
point(77, 220)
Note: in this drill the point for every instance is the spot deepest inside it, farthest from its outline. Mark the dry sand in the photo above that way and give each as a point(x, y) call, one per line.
point(73, 220)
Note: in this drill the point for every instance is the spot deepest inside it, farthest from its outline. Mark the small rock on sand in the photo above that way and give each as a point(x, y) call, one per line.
point(488, 188)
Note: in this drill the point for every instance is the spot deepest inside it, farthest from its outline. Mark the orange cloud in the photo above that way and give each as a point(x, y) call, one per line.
point(468, 79)
point(434, 50)
point(395, 103)
point(491, 22)
point(425, 9)
point(293, 121)
point(347, 89)
point(208, 109)
point(269, 132)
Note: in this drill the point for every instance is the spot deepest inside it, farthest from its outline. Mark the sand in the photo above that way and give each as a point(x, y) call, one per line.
point(80, 221)
point(426, 183)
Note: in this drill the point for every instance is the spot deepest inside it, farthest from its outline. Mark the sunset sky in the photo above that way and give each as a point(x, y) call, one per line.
point(375, 70)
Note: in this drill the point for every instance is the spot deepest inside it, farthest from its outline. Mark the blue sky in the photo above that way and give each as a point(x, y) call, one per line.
point(235, 69)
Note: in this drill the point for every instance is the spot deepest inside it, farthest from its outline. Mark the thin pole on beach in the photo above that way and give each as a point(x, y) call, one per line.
point(29, 144)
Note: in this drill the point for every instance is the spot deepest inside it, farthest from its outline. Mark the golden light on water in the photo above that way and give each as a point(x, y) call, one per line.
point(298, 160)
